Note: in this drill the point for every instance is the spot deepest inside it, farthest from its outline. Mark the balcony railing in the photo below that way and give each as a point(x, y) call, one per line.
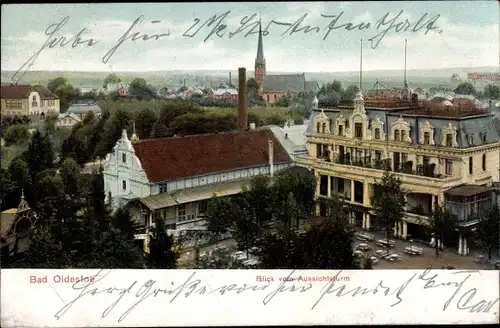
point(376, 169)
point(426, 170)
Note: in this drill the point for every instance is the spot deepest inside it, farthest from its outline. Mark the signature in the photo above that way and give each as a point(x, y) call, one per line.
point(137, 292)
point(215, 26)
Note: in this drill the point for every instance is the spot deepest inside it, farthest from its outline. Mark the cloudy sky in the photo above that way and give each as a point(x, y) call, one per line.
point(459, 34)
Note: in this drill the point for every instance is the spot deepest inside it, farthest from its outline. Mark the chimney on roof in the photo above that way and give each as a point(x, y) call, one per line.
point(242, 117)
point(271, 158)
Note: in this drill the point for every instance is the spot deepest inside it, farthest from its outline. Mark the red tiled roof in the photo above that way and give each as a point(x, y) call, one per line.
point(180, 157)
point(22, 91)
point(13, 91)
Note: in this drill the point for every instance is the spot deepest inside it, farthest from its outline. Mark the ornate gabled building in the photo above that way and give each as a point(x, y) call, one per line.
point(173, 178)
point(35, 101)
point(273, 87)
point(445, 153)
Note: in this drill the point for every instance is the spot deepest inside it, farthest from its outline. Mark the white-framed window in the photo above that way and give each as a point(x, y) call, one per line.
point(124, 158)
point(181, 213)
point(163, 188)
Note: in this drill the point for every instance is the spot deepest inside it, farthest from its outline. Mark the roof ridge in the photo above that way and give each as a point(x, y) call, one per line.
point(262, 128)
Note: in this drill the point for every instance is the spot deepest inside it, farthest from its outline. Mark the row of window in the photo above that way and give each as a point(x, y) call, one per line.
point(471, 164)
point(13, 104)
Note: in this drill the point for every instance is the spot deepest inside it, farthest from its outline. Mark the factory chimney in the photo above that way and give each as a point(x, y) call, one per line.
point(242, 99)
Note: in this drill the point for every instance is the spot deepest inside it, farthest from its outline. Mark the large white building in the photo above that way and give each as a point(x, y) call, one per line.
point(173, 178)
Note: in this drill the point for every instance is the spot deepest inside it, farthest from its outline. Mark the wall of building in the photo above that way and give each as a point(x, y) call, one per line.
point(208, 179)
point(17, 107)
point(37, 106)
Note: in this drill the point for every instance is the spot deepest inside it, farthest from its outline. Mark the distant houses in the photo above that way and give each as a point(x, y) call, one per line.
point(80, 110)
point(67, 120)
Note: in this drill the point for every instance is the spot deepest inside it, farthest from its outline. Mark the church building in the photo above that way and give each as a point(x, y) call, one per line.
point(273, 87)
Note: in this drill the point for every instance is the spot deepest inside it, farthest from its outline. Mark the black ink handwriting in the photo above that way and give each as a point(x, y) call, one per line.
point(347, 26)
point(52, 42)
point(217, 30)
point(132, 37)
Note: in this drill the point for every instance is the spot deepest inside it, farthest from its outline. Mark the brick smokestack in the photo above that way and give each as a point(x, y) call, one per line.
point(242, 99)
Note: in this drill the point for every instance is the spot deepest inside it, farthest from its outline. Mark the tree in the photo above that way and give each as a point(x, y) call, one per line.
point(329, 100)
point(111, 78)
point(19, 172)
point(350, 93)
point(40, 154)
point(139, 89)
point(301, 183)
point(465, 88)
point(491, 91)
point(16, 134)
point(70, 174)
point(337, 87)
point(260, 198)
point(145, 122)
point(64, 91)
point(246, 228)
point(327, 245)
point(442, 225)
point(388, 202)
point(487, 230)
point(122, 220)
point(162, 254)
point(219, 215)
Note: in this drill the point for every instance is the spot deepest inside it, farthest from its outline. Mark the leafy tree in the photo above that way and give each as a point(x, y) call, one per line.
point(465, 88)
point(16, 134)
point(491, 91)
point(122, 220)
point(442, 225)
point(301, 183)
point(40, 154)
point(260, 198)
point(70, 174)
point(388, 202)
point(64, 91)
point(245, 226)
point(162, 254)
point(219, 259)
point(350, 93)
point(327, 245)
point(146, 119)
point(329, 100)
point(96, 198)
point(487, 230)
point(116, 251)
point(19, 172)
point(111, 78)
point(219, 215)
point(139, 89)
point(337, 87)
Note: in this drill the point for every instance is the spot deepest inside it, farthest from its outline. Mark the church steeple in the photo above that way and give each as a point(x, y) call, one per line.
point(260, 60)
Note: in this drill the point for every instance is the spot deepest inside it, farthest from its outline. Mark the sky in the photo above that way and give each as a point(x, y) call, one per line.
point(451, 34)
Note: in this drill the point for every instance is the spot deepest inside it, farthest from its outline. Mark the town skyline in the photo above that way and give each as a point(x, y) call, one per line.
point(454, 35)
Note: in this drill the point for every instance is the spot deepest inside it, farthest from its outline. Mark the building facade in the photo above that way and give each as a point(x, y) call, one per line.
point(174, 178)
point(27, 100)
point(449, 154)
point(67, 120)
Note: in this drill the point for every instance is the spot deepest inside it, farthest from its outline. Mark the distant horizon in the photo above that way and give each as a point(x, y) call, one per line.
point(268, 71)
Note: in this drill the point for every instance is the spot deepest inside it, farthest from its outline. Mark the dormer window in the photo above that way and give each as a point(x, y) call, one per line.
point(427, 138)
point(124, 158)
point(341, 130)
point(324, 128)
point(377, 133)
point(396, 135)
point(318, 127)
point(358, 130)
point(482, 135)
point(403, 135)
point(449, 140)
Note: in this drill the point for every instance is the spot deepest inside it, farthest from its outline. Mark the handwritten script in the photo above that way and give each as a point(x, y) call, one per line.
point(215, 26)
point(135, 292)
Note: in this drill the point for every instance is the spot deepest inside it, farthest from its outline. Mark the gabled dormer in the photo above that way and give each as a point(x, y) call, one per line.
point(427, 134)
point(377, 129)
point(400, 131)
point(322, 123)
point(359, 120)
point(450, 136)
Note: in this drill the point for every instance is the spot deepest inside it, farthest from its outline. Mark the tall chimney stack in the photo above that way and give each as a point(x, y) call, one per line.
point(242, 99)
point(271, 158)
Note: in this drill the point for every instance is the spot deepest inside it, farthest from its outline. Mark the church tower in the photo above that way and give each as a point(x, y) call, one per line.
point(260, 62)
